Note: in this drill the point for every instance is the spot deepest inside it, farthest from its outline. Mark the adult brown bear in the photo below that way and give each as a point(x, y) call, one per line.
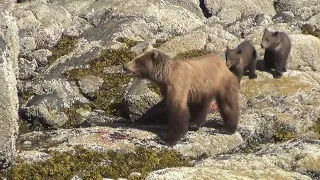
point(189, 87)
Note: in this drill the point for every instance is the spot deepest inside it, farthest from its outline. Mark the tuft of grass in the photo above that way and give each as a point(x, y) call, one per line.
point(192, 54)
point(110, 95)
point(64, 46)
point(129, 42)
point(98, 165)
point(308, 29)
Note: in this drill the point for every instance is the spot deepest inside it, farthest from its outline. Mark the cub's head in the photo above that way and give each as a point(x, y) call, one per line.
point(152, 65)
point(233, 57)
point(270, 39)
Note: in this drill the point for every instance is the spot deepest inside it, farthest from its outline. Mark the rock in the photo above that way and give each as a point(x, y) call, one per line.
point(246, 7)
point(27, 68)
point(210, 38)
point(305, 9)
point(77, 27)
point(9, 48)
point(283, 17)
point(305, 53)
point(89, 85)
point(27, 44)
point(271, 162)
point(33, 156)
point(139, 99)
point(40, 55)
point(50, 22)
point(46, 109)
point(314, 21)
point(229, 15)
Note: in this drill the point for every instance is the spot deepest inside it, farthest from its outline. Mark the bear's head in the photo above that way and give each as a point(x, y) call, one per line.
point(151, 64)
point(233, 57)
point(270, 39)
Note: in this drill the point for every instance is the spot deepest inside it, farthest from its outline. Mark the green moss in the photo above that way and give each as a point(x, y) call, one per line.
point(192, 53)
point(283, 131)
point(98, 165)
point(153, 87)
point(129, 42)
point(284, 86)
point(110, 95)
point(308, 29)
point(159, 42)
point(64, 46)
point(74, 114)
point(24, 96)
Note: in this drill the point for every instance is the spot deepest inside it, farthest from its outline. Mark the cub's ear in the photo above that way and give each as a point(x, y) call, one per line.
point(239, 51)
point(275, 34)
point(155, 55)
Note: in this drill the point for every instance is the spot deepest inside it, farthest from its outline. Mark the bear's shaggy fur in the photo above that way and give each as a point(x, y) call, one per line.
point(277, 47)
point(189, 87)
point(241, 59)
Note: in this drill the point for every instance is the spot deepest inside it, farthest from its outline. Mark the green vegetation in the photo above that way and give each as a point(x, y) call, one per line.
point(129, 42)
point(153, 87)
point(64, 46)
point(98, 165)
point(308, 29)
point(159, 42)
point(284, 86)
point(283, 132)
point(74, 114)
point(192, 53)
point(109, 97)
point(24, 96)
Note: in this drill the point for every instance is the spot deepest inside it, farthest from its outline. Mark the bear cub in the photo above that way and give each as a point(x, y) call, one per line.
point(189, 86)
point(241, 59)
point(277, 47)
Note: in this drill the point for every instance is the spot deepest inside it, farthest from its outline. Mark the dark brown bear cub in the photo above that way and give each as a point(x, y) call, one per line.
point(277, 47)
point(241, 59)
point(190, 83)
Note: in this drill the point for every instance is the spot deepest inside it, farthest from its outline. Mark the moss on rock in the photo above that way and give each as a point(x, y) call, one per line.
point(64, 46)
point(316, 127)
point(308, 29)
point(284, 86)
point(74, 114)
point(110, 95)
point(153, 87)
point(98, 165)
point(192, 53)
point(129, 42)
point(159, 42)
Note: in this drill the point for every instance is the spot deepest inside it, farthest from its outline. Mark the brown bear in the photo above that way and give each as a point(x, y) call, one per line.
point(277, 47)
point(189, 87)
point(241, 59)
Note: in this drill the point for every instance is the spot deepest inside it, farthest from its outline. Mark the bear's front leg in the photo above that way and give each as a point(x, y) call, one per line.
point(200, 115)
point(178, 117)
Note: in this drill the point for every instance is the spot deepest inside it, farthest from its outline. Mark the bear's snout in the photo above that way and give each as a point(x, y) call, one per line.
point(128, 68)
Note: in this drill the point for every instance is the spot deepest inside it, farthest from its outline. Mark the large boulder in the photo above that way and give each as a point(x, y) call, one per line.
point(9, 48)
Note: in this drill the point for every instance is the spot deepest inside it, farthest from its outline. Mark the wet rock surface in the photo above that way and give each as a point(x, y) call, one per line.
point(62, 61)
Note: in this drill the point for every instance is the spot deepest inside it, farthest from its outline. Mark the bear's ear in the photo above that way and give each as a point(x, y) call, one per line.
point(154, 55)
point(275, 34)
